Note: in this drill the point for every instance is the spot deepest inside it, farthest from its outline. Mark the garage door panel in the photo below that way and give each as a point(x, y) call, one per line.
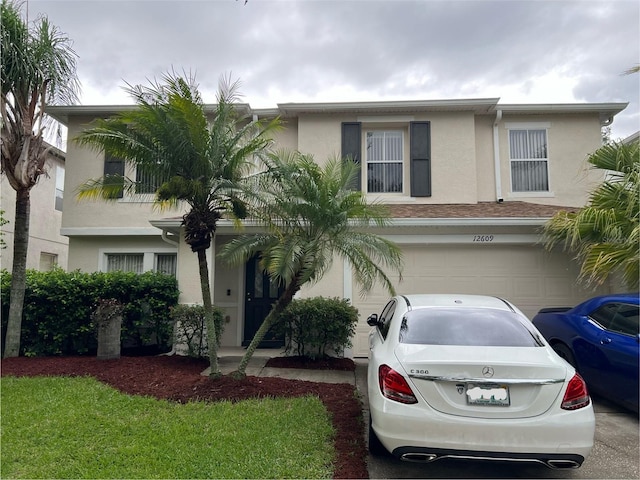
point(527, 275)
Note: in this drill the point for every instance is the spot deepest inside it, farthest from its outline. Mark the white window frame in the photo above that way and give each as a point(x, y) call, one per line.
point(149, 257)
point(529, 126)
point(58, 199)
point(401, 161)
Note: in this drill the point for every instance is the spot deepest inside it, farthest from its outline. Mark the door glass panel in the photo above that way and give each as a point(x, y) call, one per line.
point(258, 284)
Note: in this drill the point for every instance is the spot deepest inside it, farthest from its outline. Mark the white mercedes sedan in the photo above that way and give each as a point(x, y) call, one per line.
point(469, 376)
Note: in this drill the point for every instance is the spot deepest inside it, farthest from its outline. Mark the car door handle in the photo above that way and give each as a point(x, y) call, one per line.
point(605, 341)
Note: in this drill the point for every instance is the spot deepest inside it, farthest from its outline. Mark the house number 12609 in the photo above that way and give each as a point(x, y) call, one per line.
point(483, 238)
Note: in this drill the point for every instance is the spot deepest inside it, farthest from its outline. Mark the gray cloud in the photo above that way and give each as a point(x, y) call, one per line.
point(316, 50)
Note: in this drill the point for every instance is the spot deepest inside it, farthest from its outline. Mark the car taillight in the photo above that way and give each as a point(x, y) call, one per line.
point(576, 395)
point(394, 386)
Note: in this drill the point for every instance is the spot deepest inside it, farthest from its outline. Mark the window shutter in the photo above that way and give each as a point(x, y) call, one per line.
point(420, 154)
point(352, 147)
point(114, 175)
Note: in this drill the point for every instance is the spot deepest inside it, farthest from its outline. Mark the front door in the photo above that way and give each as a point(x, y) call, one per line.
point(260, 294)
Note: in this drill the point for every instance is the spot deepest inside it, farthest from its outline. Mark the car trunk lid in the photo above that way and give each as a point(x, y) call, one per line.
point(484, 382)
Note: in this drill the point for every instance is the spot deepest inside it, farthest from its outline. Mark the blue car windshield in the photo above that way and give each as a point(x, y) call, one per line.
point(466, 326)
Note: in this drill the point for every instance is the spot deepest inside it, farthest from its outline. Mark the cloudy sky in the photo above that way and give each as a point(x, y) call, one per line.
point(522, 51)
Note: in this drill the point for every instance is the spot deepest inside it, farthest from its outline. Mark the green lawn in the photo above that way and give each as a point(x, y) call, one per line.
point(59, 427)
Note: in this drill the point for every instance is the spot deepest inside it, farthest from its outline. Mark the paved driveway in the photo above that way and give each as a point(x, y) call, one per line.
point(616, 453)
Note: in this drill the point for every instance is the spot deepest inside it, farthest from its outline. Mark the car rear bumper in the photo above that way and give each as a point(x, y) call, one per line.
point(427, 455)
point(404, 429)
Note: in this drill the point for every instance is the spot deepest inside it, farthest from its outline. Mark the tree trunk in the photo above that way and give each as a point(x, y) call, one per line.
point(109, 343)
point(282, 303)
point(18, 273)
point(208, 314)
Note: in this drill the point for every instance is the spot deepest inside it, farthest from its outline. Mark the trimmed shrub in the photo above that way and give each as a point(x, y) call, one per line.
point(317, 327)
point(58, 306)
point(189, 324)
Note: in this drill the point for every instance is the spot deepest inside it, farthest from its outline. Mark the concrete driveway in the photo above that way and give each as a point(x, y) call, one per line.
point(616, 453)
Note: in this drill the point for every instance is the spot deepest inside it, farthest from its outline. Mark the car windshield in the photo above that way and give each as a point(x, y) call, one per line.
point(466, 326)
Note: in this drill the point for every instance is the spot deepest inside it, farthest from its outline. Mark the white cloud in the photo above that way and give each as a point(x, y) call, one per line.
point(526, 51)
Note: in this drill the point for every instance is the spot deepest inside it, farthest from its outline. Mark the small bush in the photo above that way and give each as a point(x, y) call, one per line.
point(189, 324)
point(316, 327)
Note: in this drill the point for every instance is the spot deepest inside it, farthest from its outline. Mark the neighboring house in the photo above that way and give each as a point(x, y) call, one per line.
point(47, 246)
point(469, 184)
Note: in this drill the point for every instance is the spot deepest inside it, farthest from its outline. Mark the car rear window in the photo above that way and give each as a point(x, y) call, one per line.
point(468, 326)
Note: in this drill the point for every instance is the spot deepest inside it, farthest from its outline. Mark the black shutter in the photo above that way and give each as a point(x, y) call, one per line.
point(352, 147)
point(114, 175)
point(420, 153)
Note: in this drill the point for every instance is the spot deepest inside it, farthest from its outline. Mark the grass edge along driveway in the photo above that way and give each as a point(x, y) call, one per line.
point(61, 427)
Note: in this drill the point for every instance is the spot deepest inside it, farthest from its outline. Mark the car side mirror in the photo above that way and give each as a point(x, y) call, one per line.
point(372, 321)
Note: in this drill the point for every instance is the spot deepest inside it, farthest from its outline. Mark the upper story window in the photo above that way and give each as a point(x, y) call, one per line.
point(388, 165)
point(146, 182)
point(385, 158)
point(59, 188)
point(528, 155)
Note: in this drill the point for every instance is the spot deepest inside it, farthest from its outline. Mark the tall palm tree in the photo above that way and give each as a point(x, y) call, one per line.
point(202, 165)
point(606, 233)
point(310, 215)
point(37, 68)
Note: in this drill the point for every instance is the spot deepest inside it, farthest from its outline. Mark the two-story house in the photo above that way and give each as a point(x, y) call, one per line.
point(47, 246)
point(469, 184)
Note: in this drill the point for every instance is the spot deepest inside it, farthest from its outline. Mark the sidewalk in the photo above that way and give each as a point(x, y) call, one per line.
point(229, 359)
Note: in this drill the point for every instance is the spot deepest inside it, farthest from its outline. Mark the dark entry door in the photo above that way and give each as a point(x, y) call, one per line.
point(260, 294)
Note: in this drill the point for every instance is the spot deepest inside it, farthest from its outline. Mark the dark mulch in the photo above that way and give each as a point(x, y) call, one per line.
point(178, 379)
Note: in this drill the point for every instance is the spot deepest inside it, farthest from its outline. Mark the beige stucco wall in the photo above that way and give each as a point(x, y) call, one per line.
point(44, 223)
point(453, 150)
point(88, 251)
point(84, 164)
point(571, 138)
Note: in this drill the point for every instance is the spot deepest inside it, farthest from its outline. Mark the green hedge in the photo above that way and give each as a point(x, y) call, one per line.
point(317, 327)
point(58, 306)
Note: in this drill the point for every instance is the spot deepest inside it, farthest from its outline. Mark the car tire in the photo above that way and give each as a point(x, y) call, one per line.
point(566, 353)
point(375, 446)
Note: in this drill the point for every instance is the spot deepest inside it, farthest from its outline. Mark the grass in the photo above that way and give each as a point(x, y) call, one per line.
point(57, 427)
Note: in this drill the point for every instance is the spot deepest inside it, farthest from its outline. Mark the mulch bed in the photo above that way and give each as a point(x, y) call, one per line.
point(178, 379)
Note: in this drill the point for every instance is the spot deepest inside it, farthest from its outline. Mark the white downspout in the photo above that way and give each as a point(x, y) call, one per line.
point(165, 237)
point(496, 156)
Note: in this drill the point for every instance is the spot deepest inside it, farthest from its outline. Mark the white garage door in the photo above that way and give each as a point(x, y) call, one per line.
point(528, 276)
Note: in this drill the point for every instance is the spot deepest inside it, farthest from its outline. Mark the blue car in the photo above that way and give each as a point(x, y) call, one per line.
point(601, 339)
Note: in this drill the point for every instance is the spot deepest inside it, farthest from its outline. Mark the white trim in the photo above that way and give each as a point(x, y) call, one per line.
point(148, 256)
point(527, 125)
point(468, 222)
point(549, 194)
point(110, 231)
point(347, 277)
point(386, 119)
point(483, 238)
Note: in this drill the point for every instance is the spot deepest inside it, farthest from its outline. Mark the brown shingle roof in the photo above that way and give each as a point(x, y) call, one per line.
point(478, 210)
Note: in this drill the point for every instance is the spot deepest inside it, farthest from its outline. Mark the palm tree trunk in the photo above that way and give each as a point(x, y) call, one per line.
point(208, 314)
point(18, 273)
point(282, 303)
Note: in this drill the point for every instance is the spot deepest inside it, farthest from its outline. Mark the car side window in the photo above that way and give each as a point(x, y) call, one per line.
point(618, 317)
point(385, 318)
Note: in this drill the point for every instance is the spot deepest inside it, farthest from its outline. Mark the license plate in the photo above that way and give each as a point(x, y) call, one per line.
point(491, 395)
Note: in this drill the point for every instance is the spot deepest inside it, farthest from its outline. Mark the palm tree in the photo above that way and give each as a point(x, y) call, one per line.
point(37, 68)
point(310, 215)
point(203, 166)
point(606, 233)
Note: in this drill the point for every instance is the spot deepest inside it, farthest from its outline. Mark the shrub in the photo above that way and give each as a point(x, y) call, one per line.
point(189, 324)
point(58, 306)
point(314, 327)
